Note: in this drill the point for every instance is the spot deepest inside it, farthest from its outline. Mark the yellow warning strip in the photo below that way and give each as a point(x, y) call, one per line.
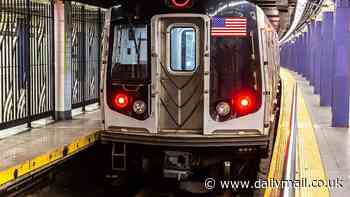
point(310, 167)
point(308, 162)
point(40, 162)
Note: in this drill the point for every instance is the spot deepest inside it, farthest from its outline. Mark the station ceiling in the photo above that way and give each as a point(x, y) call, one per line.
point(280, 12)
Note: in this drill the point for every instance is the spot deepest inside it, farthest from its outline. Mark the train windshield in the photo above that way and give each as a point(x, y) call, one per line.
point(130, 53)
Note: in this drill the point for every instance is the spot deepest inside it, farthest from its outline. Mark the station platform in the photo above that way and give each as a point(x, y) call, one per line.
point(31, 151)
point(321, 150)
point(333, 143)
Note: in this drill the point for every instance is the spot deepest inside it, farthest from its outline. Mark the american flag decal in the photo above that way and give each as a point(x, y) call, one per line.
point(229, 26)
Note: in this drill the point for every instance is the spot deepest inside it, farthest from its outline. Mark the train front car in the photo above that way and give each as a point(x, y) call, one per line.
point(187, 83)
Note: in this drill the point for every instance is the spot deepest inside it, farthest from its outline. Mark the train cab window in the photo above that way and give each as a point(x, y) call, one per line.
point(183, 49)
point(130, 53)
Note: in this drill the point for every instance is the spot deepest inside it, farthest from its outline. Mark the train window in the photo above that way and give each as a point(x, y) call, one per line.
point(130, 53)
point(183, 49)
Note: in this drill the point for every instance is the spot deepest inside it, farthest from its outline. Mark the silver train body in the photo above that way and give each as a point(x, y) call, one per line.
point(182, 78)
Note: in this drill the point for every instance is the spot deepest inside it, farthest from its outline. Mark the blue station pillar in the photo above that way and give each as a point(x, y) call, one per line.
point(317, 56)
point(302, 54)
point(311, 52)
point(287, 55)
point(340, 101)
point(308, 53)
point(284, 55)
point(284, 60)
point(290, 56)
point(327, 57)
point(296, 55)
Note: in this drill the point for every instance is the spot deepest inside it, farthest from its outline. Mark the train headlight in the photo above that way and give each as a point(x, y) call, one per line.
point(139, 107)
point(223, 108)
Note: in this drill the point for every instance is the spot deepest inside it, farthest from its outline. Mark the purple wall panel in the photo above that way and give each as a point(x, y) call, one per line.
point(327, 59)
point(340, 100)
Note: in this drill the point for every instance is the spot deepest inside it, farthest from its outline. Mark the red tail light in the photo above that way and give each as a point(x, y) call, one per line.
point(121, 101)
point(244, 102)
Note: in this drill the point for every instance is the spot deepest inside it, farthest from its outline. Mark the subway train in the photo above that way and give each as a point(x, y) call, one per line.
point(188, 84)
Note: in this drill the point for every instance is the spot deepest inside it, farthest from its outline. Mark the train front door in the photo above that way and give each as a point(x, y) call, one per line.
point(179, 44)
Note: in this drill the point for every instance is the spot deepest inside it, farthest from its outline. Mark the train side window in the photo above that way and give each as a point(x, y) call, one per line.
point(183, 49)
